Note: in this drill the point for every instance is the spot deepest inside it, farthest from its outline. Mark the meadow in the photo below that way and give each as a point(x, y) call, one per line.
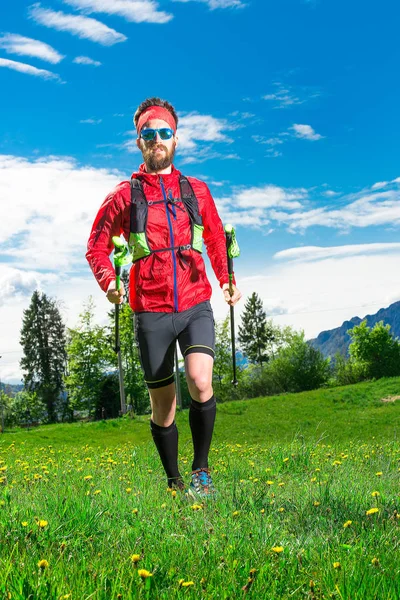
point(307, 505)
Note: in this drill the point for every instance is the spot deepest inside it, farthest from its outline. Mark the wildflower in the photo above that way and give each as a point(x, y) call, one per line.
point(285, 460)
point(197, 506)
point(43, 564)
point(173, 493)
point(347, 524)
point(135, 511)
point(379, 474)
point(24, 523)
point(262, 511)
point(375, 561)
point(144, 574)
point(270, 483)
point(336, 565)
point(42, 523)
point(277, 549)
point(236, 513)
point(281, 509)
point(96, 492)
point(316, 503)
point(313, 479)
point(281, 484)
point(372, 511)
point(375, 494)
point(88, 477)
point(128, 490)
point(183, 583)
point(135, 558)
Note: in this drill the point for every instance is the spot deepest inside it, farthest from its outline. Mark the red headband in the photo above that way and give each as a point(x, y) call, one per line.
point(156, 112)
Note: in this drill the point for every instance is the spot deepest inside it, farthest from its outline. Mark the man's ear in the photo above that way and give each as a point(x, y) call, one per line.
point(138, 142)
point(176, 141)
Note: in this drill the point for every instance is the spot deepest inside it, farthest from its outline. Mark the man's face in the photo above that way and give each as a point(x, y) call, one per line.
point(158, 154)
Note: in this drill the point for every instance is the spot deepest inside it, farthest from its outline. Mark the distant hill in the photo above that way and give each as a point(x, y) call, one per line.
point(338, 340)
point(10, 389)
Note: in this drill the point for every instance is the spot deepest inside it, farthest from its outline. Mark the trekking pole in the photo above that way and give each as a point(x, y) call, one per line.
point(233, 251)
point(122, 257)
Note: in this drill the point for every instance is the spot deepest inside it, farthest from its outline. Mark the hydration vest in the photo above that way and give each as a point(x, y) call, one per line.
point(138, 242)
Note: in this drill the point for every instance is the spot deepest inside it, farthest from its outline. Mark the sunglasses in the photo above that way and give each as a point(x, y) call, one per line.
point(148, 135)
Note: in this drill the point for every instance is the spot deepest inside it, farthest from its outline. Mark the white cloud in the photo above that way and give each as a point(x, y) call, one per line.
point(91, 121)
point(214, 4)
point(83, 27)
point(54, 203)
point(13, 43)
point(306, 132)
point(285, 97)
point(136, 11)
point(368, 209)
point(28, 69)
point(85, 60)
point(313, 253)
point(251, 207)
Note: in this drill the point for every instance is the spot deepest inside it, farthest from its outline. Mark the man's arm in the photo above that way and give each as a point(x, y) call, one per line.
point(215, 241)
point(107, 223)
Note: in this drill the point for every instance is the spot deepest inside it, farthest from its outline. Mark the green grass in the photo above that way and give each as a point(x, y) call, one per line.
point(290, 472)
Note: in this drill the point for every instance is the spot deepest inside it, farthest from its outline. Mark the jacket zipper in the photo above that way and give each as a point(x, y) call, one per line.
point(172, 244)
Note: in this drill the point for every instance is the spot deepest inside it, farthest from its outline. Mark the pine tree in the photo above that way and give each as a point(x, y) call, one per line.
point(256, 334)
point(44, 361)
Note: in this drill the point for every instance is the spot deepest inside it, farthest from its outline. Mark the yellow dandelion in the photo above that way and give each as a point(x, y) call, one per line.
point(236, 513)
point(262, 511)
point(163, 505)
point(316, 503)
point(184, 583)
point(313, 479)
point(375, 561)
point(43, 564)
point(285, 459)
point(347, 524)
point(143, 573)
point(42, 523)
point(128, 490)
point(281, 484)
point(270, 483)
point(24, 523)
point(88, 477)
point(375, 494)
point(372, 511)
point(135, 511)
point(277, 549)
point(281, 509)
point(135, 558)
point(336, 565)
point(379, 474)
point(196, 506)
point(173, 493)
point(96, 492)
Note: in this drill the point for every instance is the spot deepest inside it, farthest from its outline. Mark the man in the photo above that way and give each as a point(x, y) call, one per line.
point(165, 216)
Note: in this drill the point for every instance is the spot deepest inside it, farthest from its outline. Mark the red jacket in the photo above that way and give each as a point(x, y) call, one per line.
point(161, 282)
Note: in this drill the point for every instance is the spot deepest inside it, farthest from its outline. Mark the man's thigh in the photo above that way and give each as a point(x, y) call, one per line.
point(196, 331)
point(156, 336)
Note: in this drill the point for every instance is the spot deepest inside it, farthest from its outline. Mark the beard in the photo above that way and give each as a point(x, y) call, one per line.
point(157, 161)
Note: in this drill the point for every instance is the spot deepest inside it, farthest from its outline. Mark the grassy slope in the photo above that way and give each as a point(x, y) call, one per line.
point(352, 412)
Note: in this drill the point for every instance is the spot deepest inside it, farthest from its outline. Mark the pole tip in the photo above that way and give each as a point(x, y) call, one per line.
point(228, 228)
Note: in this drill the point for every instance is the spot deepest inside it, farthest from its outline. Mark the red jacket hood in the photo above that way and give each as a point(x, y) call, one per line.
point(153, 179)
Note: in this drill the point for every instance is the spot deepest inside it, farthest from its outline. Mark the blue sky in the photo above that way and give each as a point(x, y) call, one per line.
point(289, 111)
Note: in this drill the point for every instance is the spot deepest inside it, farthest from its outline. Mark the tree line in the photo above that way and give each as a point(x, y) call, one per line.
point(71, 373)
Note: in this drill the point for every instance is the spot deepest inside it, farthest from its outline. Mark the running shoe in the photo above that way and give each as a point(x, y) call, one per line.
point(201, 485)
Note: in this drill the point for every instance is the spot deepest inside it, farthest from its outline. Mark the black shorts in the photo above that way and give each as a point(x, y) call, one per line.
point(156, 335)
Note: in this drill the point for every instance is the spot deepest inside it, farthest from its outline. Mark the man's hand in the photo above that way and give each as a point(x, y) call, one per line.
point(231, 300)
point(113, 295)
